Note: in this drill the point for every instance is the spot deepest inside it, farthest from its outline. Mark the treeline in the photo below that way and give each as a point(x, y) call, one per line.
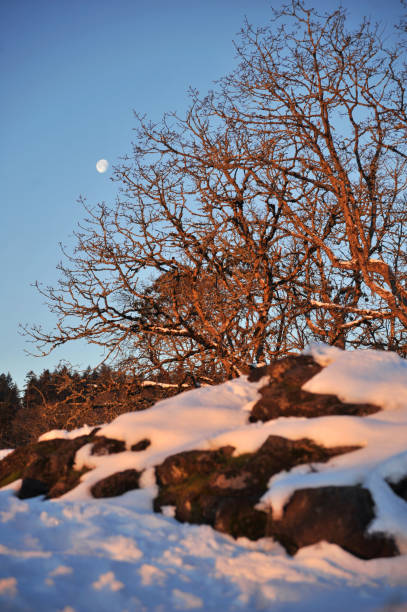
point(67, 399)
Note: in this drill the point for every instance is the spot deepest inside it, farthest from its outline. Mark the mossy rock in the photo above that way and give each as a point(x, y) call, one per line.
point(46, 468)
point(222, 490)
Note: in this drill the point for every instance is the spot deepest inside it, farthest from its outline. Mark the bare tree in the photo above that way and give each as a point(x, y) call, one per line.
point(272, 214)
point(325, 108)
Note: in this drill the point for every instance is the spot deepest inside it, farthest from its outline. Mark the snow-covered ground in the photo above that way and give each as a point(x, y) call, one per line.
point(81, 554)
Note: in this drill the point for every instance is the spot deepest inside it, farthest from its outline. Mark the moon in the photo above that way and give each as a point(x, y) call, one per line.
point(102, 165)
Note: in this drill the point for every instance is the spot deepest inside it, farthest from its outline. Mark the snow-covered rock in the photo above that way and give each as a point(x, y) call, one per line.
point(329, 465)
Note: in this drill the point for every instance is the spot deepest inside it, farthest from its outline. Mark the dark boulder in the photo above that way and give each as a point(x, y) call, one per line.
point(141, 445)
point(242, 520)
point(31, 487)
point(283, 395)
point(400, 488)
point(116, 484)
point(179, 468)
point(340, 515)
point(107, 446)
point(46, 468)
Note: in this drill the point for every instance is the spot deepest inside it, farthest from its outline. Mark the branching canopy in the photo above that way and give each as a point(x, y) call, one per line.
point(272, 214)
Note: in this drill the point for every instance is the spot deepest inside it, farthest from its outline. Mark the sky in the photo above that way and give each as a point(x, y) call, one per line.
point(72, 72)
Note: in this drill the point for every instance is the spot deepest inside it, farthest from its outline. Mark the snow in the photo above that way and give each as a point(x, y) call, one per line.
point(152, 383)
point(79, 554)
point(371, 372)
point(69, 435)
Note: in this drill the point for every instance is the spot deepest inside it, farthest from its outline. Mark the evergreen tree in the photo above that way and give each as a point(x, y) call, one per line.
point(9, 405)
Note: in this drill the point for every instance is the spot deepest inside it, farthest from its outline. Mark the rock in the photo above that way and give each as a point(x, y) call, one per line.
point(31, 487)
point(216, 488)
point(178, 468)
point(400, 488)
point(283, 395)
point(243, 520)
point(116, 484)
point(340, 515)
point(107, 446)
point(221, 490)
point(46, 468)
point(141, 445)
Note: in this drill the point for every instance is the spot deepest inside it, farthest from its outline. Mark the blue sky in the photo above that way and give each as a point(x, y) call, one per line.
point(71, 73)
